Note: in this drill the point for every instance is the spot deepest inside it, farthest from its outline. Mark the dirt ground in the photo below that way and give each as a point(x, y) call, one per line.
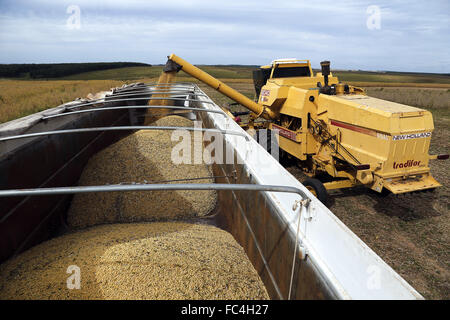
point(410, 233)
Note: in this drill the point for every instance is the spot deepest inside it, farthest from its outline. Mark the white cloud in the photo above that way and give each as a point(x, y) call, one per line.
point(413, 36)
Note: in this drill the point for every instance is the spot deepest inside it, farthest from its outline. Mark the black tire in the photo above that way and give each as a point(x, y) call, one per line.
point(430, 191)
point(317, 188)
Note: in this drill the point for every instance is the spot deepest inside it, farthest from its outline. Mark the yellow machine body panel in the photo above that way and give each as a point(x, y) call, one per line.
point(422, 182)
point(387, 130)
point(392, 138)
point(273, 96)
point(301, 82)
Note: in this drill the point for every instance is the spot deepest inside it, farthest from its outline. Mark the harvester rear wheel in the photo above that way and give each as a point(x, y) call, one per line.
point(317, 189)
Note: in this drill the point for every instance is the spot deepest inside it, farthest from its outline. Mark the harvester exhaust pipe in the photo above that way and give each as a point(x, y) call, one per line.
point(325, 71)
point(326, 89)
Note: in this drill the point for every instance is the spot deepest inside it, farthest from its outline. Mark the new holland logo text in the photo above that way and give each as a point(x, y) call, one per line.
point(412, 136)
point(407, 164)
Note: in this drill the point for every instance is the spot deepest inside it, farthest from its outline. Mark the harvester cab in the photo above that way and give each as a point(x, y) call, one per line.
point(335, 128)
point(299, 74)
point(279, 69)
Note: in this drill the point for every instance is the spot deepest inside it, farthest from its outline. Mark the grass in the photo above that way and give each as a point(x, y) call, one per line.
point(133, 73)
point(392, 77)
point(400, 84)
point(245, 72)
point(21, 98)
point(435, 100)
point(120, 74)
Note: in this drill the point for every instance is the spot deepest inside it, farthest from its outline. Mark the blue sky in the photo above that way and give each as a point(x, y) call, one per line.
point(412, 35)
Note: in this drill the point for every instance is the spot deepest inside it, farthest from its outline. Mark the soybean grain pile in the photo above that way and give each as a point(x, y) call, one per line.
point(156, 260)
point(144, 156)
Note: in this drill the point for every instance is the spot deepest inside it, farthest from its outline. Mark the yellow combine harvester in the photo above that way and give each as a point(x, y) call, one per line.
point(334, 128)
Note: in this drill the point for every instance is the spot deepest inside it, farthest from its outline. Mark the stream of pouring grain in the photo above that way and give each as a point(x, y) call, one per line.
point(164, 78)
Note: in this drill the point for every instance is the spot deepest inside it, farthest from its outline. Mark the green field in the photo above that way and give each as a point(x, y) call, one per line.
point(123, 74)
point(29, 71)
point(392, 77)
point(236, 73)
point(134, 73)
point(19, 97)
point(245, 72)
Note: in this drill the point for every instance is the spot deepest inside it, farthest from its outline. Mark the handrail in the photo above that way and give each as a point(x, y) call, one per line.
point(132, 107)
point(151, 187)
point(103, 100)
point(83, 130)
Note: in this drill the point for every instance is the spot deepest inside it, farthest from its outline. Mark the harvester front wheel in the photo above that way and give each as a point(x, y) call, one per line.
point(317, 189)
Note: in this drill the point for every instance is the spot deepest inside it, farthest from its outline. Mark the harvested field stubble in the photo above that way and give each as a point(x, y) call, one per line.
point(21, 98)
point(435, 100)
point(135, 261)
point(142, 156)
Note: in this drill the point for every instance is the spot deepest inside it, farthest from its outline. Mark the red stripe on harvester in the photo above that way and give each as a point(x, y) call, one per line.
point(369, 132)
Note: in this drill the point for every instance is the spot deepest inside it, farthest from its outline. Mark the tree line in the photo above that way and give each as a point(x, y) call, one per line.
point(56, 70)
